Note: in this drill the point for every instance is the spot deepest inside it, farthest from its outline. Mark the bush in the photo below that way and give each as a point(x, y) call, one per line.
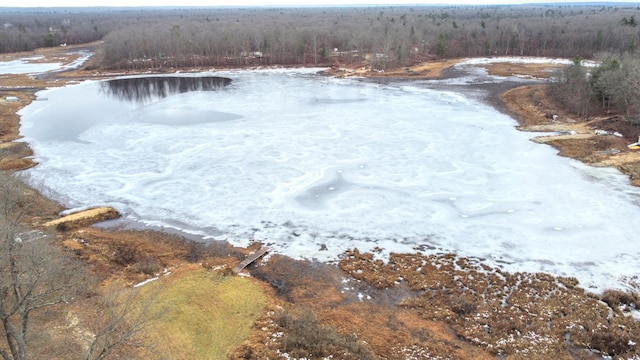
point(199, 251)
point(463, 306)
point(611, 342)
point(146, 264)
point(306, 337)
point(615, 298)
point(284, 274)
point(124, 256)
point(149, 265)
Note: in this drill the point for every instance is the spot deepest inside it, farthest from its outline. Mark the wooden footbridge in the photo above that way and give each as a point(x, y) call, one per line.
point(249, 259)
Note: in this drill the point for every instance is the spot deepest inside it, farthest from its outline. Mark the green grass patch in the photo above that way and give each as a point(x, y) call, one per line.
point(207, 314)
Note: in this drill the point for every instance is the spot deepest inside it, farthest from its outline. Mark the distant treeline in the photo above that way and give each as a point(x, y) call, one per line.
point(386, 36)
point(30, 28)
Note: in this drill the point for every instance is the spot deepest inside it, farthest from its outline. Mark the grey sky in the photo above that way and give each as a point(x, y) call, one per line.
point(69, 3)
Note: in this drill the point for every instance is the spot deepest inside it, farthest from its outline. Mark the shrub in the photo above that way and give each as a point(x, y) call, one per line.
point(611, 342)
point(284, 274)
point(306, 337)
point(614, 298)
point(148, 265)
point(463, 306)
point(124, 256)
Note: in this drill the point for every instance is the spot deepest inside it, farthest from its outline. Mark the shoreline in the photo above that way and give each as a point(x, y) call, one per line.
point(497, 95)
point(436, 301)
point(492, 95)
point(525, 102)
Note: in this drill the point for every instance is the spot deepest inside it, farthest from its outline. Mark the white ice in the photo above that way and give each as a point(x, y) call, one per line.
point(522, 60)
point(313, 166)
point(28, 66)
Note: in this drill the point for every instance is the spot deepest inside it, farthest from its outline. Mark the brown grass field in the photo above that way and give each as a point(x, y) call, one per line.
point(414, 306)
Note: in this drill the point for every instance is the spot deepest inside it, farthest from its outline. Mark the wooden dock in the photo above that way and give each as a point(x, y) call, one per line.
point(249, 259)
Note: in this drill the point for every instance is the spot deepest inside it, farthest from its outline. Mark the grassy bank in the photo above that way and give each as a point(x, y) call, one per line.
point(207, 314)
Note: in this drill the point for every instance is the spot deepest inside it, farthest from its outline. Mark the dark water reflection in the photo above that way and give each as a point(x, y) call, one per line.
point(145, 89)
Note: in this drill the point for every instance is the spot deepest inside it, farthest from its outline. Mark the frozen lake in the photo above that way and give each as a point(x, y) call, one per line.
point(313, 166)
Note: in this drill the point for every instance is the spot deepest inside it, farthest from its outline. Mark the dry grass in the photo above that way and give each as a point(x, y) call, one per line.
point(518, 69)
point(633, 169)
point(530, 105)
point(14, 155)
point(520, 315)
point(534, 109)
point(9, 128)
point(190, 313)
point(342, 308)
point(434, 69)
point(124, 254)
point(425, 70)
point(134, 256)
point(207, 314)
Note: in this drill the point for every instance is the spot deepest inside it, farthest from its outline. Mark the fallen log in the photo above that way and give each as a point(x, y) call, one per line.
point(84, 218)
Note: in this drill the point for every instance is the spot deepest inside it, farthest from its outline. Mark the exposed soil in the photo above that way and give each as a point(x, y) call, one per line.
point(414, 306)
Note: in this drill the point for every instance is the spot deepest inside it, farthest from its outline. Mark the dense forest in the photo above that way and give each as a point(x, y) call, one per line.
point(385, 36)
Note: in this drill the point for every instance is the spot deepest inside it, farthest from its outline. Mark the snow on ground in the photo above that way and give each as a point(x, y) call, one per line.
point(521, 60)
point(313, 166)
point(28, 66)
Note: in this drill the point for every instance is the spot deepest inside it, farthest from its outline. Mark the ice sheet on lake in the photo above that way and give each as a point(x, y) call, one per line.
point(307, 163)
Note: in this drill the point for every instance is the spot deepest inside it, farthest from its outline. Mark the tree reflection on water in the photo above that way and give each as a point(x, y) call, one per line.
point(145, 89)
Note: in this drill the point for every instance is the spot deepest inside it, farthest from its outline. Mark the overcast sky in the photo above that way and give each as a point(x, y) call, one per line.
point(67, 3)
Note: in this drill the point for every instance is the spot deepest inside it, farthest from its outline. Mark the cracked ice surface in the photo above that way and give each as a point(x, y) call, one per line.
point(314, 166)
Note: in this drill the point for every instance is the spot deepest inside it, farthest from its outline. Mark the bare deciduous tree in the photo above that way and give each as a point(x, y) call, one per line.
point(120, 315)
point(617, 82)
point(572, 88)
point(35, 274)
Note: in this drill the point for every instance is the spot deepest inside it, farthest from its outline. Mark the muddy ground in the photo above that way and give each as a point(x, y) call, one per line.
point(415, 306)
